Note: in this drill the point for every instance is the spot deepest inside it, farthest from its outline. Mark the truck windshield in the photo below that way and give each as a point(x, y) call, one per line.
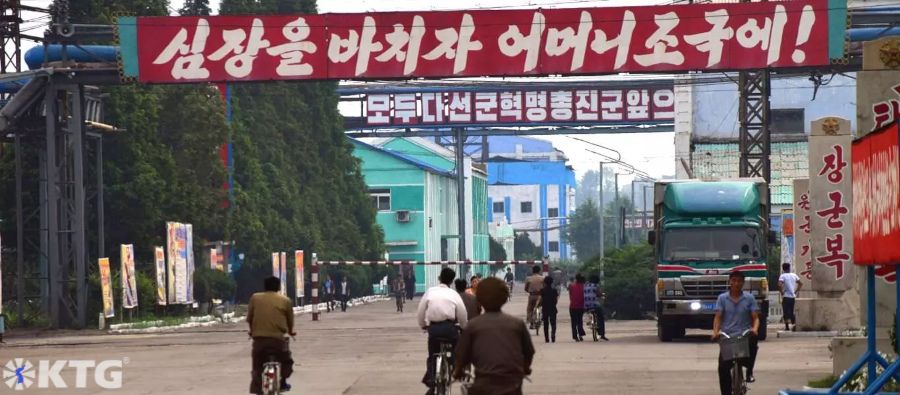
point(695, 244)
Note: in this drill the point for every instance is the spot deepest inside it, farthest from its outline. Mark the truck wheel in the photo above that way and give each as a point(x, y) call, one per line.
point(680, 332)
point(664, 332)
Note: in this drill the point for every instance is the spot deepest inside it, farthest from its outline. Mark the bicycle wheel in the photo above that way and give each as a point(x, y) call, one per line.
point(271, 380)
point(442, 376)
point(738, 387)
point(537, 322)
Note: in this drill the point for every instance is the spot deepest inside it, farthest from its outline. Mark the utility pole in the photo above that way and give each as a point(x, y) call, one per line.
point(616, 204)
point(461, 191)
point(602, 222)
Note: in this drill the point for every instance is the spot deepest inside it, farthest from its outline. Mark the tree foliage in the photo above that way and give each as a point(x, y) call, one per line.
point(296, 183)
point(583, 231)
point(497, 252)
point(629, 280)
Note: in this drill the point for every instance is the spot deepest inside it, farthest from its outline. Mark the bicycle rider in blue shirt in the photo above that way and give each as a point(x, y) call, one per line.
point(736, 312)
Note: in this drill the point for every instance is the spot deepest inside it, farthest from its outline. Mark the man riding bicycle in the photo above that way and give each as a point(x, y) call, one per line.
point(271, 318)
point(510, 280)
point(440, 311)
point(533, 285)
point(736, 312)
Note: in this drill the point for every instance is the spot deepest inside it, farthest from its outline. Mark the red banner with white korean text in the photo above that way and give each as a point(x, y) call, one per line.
point(571, 41)
point(876, 197)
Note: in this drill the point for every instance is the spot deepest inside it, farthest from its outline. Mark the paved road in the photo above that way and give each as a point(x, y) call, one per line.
point(373, 350)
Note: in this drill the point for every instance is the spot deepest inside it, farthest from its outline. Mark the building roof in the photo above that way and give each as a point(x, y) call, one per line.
point(405, 158)
point(789, 161)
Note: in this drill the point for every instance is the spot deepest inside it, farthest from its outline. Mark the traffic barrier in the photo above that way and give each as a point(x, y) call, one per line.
point(316, 263)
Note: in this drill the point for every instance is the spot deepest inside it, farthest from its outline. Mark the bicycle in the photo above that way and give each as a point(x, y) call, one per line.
point(536, 320)
point(736, 350)
point(270, 380)
point(443, 370)
point(591, 322)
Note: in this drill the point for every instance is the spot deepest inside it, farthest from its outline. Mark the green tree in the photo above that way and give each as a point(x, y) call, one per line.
point(583, 231)
point(195, 7)
point(629, 280)
point(296, 181)
point(497, 252)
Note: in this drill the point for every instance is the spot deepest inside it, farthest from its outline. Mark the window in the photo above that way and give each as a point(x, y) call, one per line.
point(526, 207)
point(498, 207)
point(381, 199)
point(554, 246)
point(786, 121)
point(553, 212)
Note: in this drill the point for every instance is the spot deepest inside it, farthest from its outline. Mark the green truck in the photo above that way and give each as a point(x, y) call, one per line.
point(704, 230)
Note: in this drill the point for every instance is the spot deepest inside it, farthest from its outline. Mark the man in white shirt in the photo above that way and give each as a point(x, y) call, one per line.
point(345, 293)
point(440, 310)
point(789, 285)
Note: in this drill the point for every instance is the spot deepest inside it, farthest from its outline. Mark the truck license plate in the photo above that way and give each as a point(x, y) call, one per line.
point(709, 306)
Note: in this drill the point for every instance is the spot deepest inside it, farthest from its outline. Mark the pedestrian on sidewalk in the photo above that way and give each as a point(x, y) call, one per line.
point(329, 294)
point(345, 293)
point(576, 307)
point(498, 345)
point(473, 309)
point(549, 299)
point(789, 285)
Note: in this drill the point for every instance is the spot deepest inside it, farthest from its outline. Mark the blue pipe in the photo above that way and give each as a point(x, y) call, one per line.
point(34, 57)
point(13, 86)
point(871, 33)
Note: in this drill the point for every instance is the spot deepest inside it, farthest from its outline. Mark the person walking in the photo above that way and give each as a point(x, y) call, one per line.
point(345, 293)
point(549, 299)
point(498, 345)
point(592, 306)
point(576, 307)
point(440, 310)
point(410, 283)
point(473, 309)
point(399, 289)
point(329, 293)
point(789, 285)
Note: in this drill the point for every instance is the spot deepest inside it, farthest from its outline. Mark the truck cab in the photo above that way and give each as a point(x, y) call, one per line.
point(703, 231)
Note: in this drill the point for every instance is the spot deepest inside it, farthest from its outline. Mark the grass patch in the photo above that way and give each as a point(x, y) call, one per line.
point(825, 382)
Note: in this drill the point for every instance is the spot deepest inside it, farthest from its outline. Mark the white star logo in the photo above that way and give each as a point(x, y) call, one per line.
point(18, 374)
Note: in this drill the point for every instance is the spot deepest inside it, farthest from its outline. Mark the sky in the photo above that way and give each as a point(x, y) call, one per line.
point(653, 153)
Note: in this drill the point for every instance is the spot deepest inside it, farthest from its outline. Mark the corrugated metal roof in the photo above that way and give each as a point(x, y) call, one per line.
point(789, 161)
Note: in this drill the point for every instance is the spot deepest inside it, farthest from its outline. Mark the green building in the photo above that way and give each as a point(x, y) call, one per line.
point(413, 184)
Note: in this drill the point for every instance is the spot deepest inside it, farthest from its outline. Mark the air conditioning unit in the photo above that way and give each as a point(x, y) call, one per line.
point(402, 216)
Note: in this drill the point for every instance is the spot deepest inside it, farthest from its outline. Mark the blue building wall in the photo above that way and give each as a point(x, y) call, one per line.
point(541, 174)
